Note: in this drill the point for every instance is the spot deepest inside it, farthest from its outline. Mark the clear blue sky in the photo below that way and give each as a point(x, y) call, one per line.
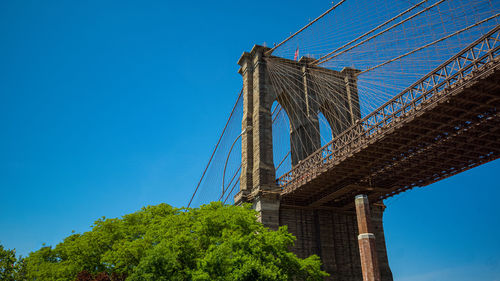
point(107, 106)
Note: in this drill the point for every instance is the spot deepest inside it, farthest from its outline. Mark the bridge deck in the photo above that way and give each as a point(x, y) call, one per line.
point(444, 124)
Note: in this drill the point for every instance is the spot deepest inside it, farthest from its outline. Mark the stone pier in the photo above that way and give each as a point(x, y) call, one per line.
point(327, 232)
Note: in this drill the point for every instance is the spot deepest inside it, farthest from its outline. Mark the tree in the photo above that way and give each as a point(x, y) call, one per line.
point(213, 242)
point(7, 264)
point(102, 276)
point(11, 268)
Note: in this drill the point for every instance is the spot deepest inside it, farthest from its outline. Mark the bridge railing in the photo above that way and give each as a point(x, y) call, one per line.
point(477, 54)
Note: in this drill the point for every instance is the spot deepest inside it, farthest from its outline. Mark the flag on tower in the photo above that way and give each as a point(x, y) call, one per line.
point(296, 54)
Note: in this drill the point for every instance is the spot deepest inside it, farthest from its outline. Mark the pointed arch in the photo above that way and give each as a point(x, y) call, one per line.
point(281, 139)
point(325, 130)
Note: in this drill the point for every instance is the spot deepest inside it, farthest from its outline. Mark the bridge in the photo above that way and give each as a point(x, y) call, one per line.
point(443, 124)
point(427, 115)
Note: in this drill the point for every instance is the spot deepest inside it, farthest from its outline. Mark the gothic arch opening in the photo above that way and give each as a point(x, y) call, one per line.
point(281, 139)
point(325, 131)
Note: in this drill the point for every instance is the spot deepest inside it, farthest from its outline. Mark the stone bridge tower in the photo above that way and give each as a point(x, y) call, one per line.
point(329, 233)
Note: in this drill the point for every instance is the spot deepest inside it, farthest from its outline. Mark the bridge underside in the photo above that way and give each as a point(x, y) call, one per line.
point(455, 130)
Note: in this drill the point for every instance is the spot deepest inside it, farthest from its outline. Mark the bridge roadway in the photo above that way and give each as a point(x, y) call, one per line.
point(444, 124)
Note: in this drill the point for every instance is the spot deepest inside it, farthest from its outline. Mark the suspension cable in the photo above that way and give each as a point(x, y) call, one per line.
point(303, 28)
point(430, 44)
point(215, 149)
point(381, 32)
point(227, 159)
point(369, 32)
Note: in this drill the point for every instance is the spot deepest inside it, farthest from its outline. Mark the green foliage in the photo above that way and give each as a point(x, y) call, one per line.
point(7, 264)
point(214, 242)
point(11, 268)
